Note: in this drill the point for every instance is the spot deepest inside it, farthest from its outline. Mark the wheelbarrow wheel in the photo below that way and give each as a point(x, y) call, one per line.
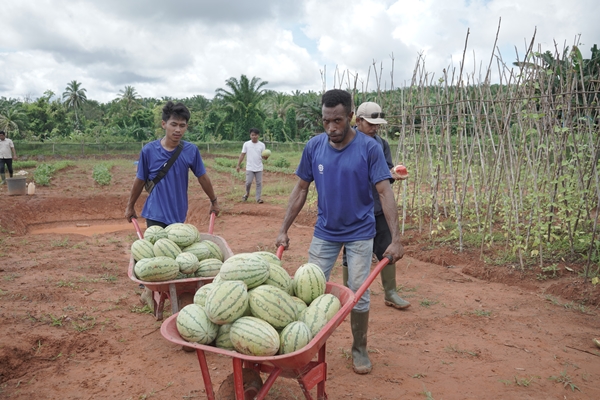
point(252, 385)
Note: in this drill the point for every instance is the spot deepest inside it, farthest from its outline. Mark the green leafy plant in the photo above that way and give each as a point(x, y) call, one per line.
point(281, 162)
point(101, 175)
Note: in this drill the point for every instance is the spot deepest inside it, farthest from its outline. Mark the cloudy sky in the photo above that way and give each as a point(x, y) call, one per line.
point(189, 47)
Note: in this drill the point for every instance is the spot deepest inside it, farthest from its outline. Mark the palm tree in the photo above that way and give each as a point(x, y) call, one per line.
point(242, 103)
point(74, 97)
point(129, 96)
point(11, 119)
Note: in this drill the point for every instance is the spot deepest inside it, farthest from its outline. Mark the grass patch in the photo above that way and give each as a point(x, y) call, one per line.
point(427, 303)
point(566, 380)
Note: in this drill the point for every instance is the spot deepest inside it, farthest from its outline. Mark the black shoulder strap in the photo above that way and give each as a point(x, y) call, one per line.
point(165, 168)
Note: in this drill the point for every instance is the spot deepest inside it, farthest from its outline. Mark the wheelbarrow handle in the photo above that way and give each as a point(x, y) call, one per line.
point(211, 224)
point(137, 228)
point(279, 253)
point(363, 288)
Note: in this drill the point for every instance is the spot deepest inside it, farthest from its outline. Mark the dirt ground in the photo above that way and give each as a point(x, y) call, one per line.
point(72, 326)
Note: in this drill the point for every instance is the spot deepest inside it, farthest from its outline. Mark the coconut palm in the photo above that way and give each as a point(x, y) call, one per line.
point(11, 120)
point(74, 96)
point(129, 96)
point(242, 103)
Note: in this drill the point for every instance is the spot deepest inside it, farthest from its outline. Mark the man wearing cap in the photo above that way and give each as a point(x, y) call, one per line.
point(340, 162)
point(7, 154)
point(368, 119)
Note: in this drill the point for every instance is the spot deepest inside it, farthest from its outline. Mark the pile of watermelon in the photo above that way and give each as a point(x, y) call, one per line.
point(175, 252)
point(254, 307)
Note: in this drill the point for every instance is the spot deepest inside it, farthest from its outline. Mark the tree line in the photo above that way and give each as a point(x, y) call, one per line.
point(243, 103)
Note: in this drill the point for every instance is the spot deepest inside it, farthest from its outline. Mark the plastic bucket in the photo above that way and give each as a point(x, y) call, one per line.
point(16, 186)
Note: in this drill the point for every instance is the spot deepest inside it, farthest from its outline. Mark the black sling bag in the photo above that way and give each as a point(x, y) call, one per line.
point(149, 185)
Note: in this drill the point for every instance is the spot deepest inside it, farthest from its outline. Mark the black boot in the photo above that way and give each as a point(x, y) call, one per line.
point(359, 321)
point(388, 279)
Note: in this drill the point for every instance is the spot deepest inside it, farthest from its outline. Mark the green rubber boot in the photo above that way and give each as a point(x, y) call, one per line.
point(388, 280)
point(3, 177)
point(359, 321)
point(345, 275)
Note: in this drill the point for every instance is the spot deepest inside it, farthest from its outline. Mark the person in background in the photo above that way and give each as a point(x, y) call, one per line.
point(341, 162)
point(369, 118)
point(254, 166)
point(7, 155)
point(167, 203)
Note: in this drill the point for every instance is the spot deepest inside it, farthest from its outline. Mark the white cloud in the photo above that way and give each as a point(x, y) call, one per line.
point(191, 47)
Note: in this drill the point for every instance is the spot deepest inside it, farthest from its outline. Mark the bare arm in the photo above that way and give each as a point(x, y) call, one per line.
point(206, 184)
point(390, 210)
point(242, 155)
point(136, 191)
point(14, 152)
point(295, 204)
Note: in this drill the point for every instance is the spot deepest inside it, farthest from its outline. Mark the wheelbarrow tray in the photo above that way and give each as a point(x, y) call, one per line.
point(299, 365)
point(173, 288)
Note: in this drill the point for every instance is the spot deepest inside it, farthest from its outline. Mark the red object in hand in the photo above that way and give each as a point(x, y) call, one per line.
point(400, 171)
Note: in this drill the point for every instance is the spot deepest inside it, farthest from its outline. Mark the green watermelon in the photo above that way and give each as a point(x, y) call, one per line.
point(247, 267)
point(294, 337)
point(273, 305)
point(167, 248)
point(226, 302)
point(309, 282)
point(194, 325)
point(188, 263)
point(142, 248)
point(253, 336)
point(156, 269)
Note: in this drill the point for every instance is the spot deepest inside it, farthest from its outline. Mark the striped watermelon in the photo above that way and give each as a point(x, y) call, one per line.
point(255, 337)
point(175, 225)
point(214, 249)
point(202, 293)
point(223, 340)
point(188, 263)
point(273, 305)
point(328, 303)
point(156, 269)
point(280, 278)
point(194, 326)
point(183, 276)
point(199, 249)
point(193, 228)
point(167, 248)
point(209, 267)
point(314, 318)
point(294, 337)
point(247, 267)
point(142, 248)
point(183, 235)
point(309, 282)
point(217, 279)
point(226, 302)
point(269, 257)
point(154, 232)
point(300, 304)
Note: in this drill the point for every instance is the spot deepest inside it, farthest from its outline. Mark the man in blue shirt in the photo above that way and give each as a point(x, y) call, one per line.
point(343, 163)
point(168, 201)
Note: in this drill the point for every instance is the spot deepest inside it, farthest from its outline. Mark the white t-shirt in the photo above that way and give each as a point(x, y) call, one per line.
point(5, 146)
point(253, 153)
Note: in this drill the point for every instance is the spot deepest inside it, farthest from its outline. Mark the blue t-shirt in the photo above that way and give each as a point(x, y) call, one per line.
point(343, 180)
point(168, 202)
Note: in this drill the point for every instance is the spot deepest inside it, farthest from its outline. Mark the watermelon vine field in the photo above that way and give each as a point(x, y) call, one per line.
point(72, 325)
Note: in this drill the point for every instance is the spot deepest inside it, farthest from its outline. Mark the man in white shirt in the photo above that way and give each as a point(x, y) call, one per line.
point(7, 154)
point(254, 166)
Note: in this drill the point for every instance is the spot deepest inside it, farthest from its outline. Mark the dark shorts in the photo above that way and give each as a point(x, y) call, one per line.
point(151, 222)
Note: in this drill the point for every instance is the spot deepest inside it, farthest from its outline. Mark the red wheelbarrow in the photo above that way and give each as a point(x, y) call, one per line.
point(171, 290)
point(245, 382)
